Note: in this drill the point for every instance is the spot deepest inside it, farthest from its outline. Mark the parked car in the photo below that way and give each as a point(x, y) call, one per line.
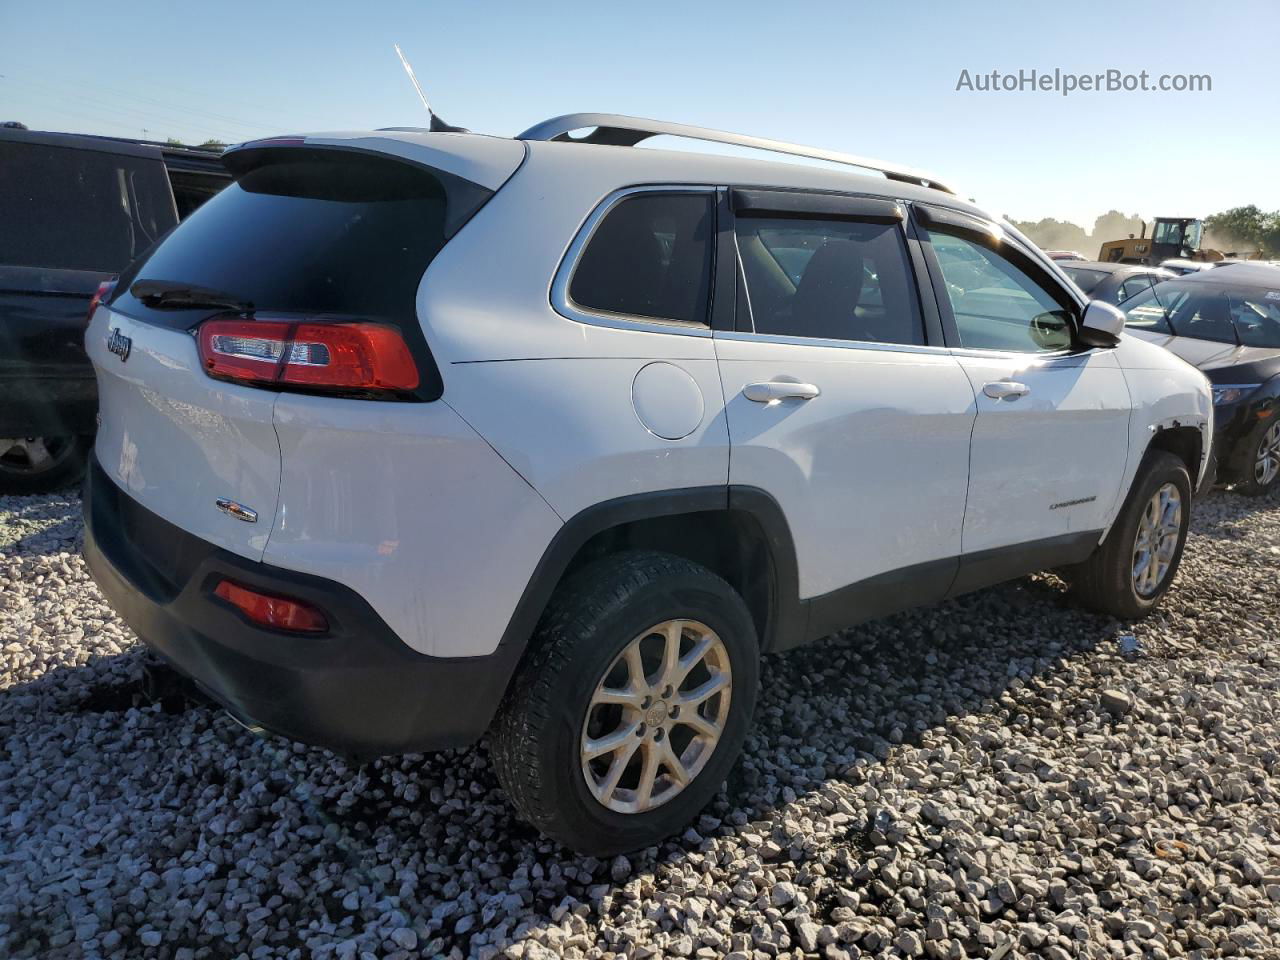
point(1064, 255)
point(1227, 322)
point(76, 209)
point(1113, 282)
point(1183, 267)
point(411, 436)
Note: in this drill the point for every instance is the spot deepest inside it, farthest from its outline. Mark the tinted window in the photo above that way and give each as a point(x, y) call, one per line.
point(1086, 280)
point(324, 233)
point(997, 305)
point(70, 209)
point(1185, 308)
point(190, 190)
point(1133, 286)
point(649, 257)
point(1167, 232)
point(1257, 318)
point(1145, 312)
point(830, 279)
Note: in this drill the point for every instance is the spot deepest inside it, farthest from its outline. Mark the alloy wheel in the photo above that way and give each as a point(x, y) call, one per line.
point(30, 454)
point(1267, 463)
point(1156, 543)
point(656, 716)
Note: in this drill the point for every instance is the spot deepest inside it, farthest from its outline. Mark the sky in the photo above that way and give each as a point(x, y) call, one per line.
point(869, 78)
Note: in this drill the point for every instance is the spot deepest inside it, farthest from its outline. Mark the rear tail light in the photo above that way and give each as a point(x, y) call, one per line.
point(104, 290)
point(356, 357)
point(280, 613)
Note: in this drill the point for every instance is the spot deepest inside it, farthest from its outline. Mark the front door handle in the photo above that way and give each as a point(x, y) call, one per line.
point(1006, 390)
point(770, 390)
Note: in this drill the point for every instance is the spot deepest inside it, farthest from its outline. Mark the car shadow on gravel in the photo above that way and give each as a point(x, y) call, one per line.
point(62, 536)
point(431, 840)
point(1223, 513)
point(828, 714)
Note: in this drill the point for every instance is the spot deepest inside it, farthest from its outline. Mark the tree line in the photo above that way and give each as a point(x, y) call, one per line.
point(1240, 230)
point(207, 145)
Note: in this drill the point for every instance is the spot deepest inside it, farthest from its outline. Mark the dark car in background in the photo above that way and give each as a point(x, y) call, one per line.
point(74, 211)
point(1226, 321)
point(1112, 282)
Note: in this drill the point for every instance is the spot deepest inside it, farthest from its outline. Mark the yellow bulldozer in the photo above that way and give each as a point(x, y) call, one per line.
point(1171, 238)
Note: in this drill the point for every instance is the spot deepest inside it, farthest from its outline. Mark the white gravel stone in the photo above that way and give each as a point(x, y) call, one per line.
point(1001, 772)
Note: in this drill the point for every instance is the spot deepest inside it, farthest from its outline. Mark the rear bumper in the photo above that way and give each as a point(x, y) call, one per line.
point(357, 690)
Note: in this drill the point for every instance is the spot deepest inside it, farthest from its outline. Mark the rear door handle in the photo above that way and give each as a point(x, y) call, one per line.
point(1006, 390)
point(779, 390)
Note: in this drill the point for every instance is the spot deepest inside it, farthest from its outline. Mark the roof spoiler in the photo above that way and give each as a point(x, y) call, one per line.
point(613, 129)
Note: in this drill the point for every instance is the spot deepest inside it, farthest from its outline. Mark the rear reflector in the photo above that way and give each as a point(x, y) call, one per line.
point(280, 613)
point(103, 291)
point(360, 357)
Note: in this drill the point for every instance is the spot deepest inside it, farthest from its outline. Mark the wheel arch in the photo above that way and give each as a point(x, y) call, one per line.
point(1184, 442)
point(738, 532)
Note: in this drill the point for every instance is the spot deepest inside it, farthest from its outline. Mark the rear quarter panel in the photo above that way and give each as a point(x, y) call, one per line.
point(554, 395)
point(408, 506)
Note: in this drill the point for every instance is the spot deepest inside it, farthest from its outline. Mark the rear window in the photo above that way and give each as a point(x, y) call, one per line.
point(69, 209)
point(1086, 280)
point(312, 232)
point(649, 257)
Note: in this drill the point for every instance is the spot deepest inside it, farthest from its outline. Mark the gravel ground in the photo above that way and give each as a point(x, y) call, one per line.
point(999, 776)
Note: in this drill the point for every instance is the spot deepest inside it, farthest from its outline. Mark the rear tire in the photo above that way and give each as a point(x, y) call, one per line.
point(580, 691)
point(1115, 580)
point(1261, 467)
point(42, 464)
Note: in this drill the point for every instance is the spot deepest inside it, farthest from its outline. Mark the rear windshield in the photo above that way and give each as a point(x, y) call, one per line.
point(310, 231)
point(64, 208)
point(1086, 280)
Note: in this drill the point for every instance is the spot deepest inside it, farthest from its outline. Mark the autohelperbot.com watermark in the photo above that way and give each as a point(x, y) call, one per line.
point(1065, 83)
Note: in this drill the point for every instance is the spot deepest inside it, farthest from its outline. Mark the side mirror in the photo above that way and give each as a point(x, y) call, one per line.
point(1101, 325)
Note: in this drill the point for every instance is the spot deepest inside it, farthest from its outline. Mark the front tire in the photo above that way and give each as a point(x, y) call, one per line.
point(1135, 566)
point(632, 705)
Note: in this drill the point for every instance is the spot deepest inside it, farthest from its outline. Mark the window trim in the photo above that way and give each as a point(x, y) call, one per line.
point(568, 308)
point(805, 204)
point(761, 203)
point(992, 235)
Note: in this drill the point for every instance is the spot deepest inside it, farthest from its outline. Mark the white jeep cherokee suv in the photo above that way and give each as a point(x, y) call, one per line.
point(410, 437)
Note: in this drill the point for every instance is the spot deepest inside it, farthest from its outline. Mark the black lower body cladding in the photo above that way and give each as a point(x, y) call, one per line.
point(357, 689)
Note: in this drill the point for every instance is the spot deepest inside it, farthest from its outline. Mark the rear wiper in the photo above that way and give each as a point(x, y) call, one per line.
point(170, 295)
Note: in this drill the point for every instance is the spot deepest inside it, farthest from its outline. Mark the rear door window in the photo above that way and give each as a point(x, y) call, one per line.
point(649, 257)
point(71, 209)
point(828, 279)
point(1083, 278)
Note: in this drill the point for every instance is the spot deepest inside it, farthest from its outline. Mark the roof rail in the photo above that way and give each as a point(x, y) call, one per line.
point(620, 131)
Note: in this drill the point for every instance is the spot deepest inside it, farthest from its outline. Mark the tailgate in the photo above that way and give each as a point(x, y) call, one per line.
point(176, 440)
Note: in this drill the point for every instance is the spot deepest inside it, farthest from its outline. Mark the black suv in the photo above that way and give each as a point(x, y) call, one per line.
point(76, 210)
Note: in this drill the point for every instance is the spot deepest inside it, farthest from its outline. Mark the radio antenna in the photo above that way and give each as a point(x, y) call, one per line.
point(437, 125)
